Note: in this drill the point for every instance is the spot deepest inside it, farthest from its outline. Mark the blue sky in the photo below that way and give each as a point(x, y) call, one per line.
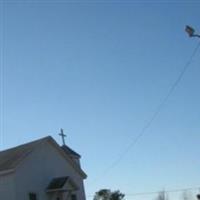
point(99, 69)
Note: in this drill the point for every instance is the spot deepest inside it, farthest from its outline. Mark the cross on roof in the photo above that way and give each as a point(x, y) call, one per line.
point(62, 135)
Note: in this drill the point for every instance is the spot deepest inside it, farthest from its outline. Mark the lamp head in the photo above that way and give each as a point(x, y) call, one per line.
point(198, 196)
point(189, 30)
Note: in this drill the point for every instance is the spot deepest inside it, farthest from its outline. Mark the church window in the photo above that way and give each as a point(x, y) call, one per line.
point(73, 197)
point(32, 196)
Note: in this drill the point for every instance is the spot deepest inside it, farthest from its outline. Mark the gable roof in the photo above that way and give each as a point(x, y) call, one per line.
point(70, 152)
point(59, 182)
point(11, 158)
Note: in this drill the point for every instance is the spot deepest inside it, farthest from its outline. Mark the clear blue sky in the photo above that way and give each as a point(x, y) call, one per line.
point(99, 69)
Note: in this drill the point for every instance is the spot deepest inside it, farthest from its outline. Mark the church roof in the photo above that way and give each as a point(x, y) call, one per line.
point(59, 182)
point(70, 151)
point(10, 158)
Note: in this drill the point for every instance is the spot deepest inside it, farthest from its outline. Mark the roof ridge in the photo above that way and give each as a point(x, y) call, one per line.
point(27, 143)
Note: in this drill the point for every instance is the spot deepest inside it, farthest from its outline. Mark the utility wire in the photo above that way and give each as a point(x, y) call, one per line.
point(157, 192)
point(2, 49)
point(155, 114)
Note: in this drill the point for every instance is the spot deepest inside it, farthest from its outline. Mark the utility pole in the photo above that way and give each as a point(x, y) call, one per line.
point(191, 33)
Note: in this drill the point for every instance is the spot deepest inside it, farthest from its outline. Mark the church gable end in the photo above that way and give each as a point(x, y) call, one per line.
point(12, 158)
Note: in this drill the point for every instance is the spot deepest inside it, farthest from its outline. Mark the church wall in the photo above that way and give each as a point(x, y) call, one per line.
point(39, 168)
point(7, 187)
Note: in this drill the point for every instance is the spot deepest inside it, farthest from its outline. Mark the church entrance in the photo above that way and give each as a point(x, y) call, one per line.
point(56, 196)
point(62, 188)
point(60, 196)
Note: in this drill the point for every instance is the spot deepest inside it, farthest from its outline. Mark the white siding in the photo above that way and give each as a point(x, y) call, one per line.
point(7, 187)
point(39, 168)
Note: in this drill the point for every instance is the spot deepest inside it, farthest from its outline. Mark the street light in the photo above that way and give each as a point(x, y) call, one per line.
point(191, 32)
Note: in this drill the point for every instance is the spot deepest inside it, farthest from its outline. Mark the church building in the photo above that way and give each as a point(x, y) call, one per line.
point(41, 170)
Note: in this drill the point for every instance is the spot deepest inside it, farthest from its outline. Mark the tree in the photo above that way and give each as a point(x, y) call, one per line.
point(106, 194)
point(117, 195)
point(162, 196)
point(186, 195)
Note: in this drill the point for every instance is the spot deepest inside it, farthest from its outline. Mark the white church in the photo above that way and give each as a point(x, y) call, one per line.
point(41, 170)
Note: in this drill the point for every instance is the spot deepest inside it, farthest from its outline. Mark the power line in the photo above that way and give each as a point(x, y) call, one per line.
point(157, 192)
point(2, 49)
point(155, 114)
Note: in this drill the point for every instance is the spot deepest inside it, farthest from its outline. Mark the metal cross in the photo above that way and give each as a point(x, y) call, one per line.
point(62, 135)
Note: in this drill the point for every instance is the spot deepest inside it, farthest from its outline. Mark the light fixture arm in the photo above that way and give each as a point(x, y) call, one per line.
point(191, 32)
point(195, 35)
